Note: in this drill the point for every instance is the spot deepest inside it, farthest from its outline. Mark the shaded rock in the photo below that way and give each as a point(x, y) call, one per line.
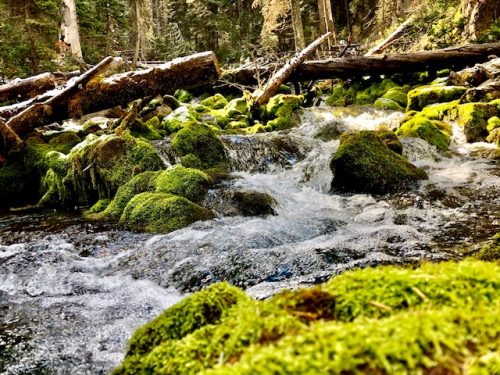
point(230, 202)
point(364, 164)
point(489, 90)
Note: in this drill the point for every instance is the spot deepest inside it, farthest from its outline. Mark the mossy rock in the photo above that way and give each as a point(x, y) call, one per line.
point(99, 206)
point(432, 131)
point(282, 105)
point(374, 91)
point(202, 142)
point(493, 123)
point(364, 164)
point(185, 182)
point(490, 251)
point(391, 140)
point(141, 183)
point(494, 136)
point(388, 104)
point(183, 96)
point(423, 96)
point(181, 117)
point(215, 102)
point(398, 95)
point(473, 117)
point(441, 111)
point(380, 320)
point(64, 142)
point(161, 213)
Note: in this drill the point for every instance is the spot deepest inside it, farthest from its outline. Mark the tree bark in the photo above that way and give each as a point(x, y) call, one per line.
point(9, 140)
point(453, 58)
point(93, 93)
point(261, 96)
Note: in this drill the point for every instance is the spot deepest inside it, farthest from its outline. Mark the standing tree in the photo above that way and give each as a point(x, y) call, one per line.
point(69, 28)
point(142, 29)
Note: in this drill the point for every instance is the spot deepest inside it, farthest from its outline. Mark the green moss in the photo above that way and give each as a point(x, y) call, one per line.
point(421, 127)
point(391, 140)
point(141, 183)
point(490, 251)
point(163, 213)
point(398, 95)
point(146, 130)
point(215, 102)
point(493, 123)
point(363, 163)
point(494, 136)
point(183, 96)
point(338, 96)
point(279, 110)
point(474, 119)
point(202, 142)
point(99, 206)
point(196, 311)
point(423, 96)
point(180, 118)
point(153, 123)
point(378, 320)
point(185, 182)
point(236, 107)
point(257, 128)
point(441, 111)
point(64, 142)
point(384, 103)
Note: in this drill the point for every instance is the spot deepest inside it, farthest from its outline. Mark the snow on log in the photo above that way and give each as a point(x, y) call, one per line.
point(22, 89)
point(94, 93)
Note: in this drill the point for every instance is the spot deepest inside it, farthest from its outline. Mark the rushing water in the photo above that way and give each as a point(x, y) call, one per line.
point(72, 292)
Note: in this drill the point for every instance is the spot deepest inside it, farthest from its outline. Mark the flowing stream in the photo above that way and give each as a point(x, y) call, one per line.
point(72, 292)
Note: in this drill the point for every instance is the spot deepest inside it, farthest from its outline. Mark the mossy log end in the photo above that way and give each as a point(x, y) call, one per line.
point(453, 58)
point(97, 93)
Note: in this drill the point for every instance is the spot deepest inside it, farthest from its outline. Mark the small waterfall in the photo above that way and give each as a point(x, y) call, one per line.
point(167, 154)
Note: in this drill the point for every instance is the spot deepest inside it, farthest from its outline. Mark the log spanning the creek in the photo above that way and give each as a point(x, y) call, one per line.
point(92, 93)
point(453, 58)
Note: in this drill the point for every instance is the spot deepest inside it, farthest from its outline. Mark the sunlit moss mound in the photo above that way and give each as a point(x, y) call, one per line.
point(438, 318)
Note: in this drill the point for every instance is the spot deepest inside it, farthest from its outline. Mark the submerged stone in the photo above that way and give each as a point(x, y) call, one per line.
point(364, 164)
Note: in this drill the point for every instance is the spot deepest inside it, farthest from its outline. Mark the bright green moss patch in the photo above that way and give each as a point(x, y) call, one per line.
point(183, 96)
point(398, 95)
point(215, 102)
point(431, 131)
point(279, 110)
point(378, 320)
point(474, 119)
point(198, 310)
point(423, 96)
point(181, 117)
point(99, 206)
point(364, 163)
point(201, 142)
point(186, 182)
point(384, 103)
point(441, 111)
point(493, 123)
point(162, 213)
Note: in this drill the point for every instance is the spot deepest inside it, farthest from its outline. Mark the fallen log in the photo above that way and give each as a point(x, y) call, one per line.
point(101, 93)
point(262, 96)
point(351, 67)
point(8, 139)
point(31, 87)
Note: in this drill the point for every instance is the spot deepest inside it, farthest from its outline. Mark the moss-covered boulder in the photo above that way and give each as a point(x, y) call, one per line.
point(473, 117)
point(375, 320)
point(435, 132)
point(493, 123)
point(441, 111)
point(183, 96)
point(423, 96)
point(181, 117)
point(217, 101)
point(491, 250)
point(161, 213)
point(388, 104)
point(364, 164)
point(199, 146)
point(279, 110)
point(185, 182)
point(398, 95)
point(374, 91)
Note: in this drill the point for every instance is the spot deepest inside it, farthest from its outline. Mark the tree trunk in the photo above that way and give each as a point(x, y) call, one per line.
point(69, 27)
point(9, 140)
point(90, 95)
point(395, 35)
point(261, 96)
point(479, 15)
point(326, 22)
point(298, 28)
point(454, 58)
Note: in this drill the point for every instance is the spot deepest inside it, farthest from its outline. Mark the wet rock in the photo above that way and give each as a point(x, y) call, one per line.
point(487, 91)
point(363, 163)
point(230, 202)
